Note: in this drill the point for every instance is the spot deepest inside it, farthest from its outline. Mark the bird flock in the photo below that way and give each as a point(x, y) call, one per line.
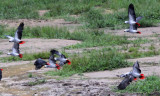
point(39, 63)
point(136, 72)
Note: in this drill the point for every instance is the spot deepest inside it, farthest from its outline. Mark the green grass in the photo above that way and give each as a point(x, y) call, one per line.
point(95, 19)
point(18, 9)
point(38, 32)
point(29, 56)
point(152, 47)
point(97, 60)
point(94, 38)
point(141, 9)
point(91, 12)
point(30, 75)
point(37, 82)
point(150, 85)
point(135, 53)
point(140, 40)
point(26, 57)
point(47, 32)
point(90, 37)
point(98, 18)
point(1, 52)
point(106, 59)
point(29, 8)
point(133, 49)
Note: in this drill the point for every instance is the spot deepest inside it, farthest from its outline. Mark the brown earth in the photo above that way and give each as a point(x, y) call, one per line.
point(41, 23)
point(145, 32)
point(36, 45)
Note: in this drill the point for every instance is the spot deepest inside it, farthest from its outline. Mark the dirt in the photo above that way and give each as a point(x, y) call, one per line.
point(146, 69)
point(16, 75)
point(42, 12)
point(41, 23)
point(53, 87)
point(145, 32)
point(36, 45)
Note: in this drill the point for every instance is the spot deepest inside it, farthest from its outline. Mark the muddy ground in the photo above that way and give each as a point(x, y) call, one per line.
point(17, 82)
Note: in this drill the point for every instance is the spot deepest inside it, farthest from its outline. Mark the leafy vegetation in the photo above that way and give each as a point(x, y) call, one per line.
point(90, 37)
point(30, 75)
point(106, 59)
point(96, 13)
point(135, 53)
point(29, 56)
point(133, 49)
point(39, 32)
point(1, 52)
point(95, 38)
point(26, 57)
point(93, 61)
point(37, 82)
point(93, 14)
point(150, 85)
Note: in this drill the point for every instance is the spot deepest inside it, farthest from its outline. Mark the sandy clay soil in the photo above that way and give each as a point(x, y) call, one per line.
point(16, 80)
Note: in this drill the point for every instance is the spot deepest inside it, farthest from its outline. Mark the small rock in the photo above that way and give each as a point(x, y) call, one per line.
point(66, 84)
point(78, 92)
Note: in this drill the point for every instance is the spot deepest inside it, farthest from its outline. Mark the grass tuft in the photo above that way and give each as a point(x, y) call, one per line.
point(91, 11)
point(39, 32)
point(37, 82)
point(30, 75)
point(150, 85)
point(93, 61)
point(26, 57)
